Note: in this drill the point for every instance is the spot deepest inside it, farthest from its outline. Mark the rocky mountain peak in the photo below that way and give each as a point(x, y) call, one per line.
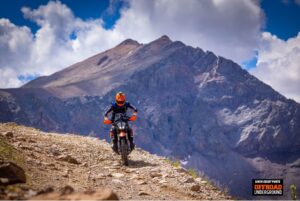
point(165, 38)
point(129, 42)
point(162, 40)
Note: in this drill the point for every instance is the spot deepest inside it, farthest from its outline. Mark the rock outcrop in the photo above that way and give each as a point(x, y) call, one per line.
point(99, 175)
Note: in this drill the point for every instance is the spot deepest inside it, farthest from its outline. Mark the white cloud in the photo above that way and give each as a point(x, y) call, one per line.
point(228, 28)
point(279, 64)
point(51, 48)
point(15, 48)
point(54, 48)
point(8, 78)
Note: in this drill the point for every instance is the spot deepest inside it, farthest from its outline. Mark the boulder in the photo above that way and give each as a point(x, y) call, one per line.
point(155, 174)
point(69, 159)
point(10, 173)
point(143, 193)
point(181, 170)
point(117, 181)
point(188, 180)
point(195, 187)
point(141, 182)
point(162, 181)
point(66, 190)
point(203, 182)
point(117, 175)
point(54, 150)
point(9, 134)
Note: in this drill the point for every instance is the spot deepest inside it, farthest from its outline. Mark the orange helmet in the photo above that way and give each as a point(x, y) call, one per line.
point(120, 98)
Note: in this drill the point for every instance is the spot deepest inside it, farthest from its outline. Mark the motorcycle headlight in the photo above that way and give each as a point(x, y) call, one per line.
point(121, 125)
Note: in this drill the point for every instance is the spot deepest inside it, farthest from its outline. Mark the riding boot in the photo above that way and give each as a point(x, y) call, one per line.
point(132, 145)
point(115, 146)
point(114, 141)
point(130, 138)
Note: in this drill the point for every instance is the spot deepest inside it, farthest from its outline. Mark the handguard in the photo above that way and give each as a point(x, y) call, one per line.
point(107, 121)
point(132, 118)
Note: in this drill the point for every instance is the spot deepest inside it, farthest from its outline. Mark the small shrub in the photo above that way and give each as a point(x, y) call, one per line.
point(176, 164)
point(193, 173)
point(293, 192)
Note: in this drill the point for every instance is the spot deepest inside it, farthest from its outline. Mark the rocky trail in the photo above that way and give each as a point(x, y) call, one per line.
point(68, 166)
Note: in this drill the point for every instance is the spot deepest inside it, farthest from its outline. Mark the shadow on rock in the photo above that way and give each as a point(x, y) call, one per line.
point(140, 164)
point(68, 193)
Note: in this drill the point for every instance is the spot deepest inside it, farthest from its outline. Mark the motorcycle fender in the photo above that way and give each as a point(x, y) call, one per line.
point(122, 134)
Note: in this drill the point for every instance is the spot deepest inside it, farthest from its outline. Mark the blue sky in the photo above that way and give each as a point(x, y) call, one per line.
point(261, 35)
point(84, 9)
point(282, 17)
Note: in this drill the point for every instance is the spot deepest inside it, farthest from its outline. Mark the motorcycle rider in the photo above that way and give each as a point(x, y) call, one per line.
point(120, 106)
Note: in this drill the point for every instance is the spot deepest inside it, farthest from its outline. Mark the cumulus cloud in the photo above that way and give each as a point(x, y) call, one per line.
point(15, 48)
point(8, 77)
point(64, 39)
point(228, 28)
point(279, 64)
point(61, 40)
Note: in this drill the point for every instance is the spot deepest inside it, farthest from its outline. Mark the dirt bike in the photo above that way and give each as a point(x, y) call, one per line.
point(122, 128)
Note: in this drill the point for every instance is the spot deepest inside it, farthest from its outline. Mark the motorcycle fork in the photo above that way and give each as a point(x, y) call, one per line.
point(126, 135)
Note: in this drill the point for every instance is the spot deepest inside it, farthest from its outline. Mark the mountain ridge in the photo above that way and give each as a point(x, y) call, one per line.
point(128, 46)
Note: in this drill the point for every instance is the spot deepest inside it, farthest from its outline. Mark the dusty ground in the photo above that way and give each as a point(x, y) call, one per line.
point(86, 163)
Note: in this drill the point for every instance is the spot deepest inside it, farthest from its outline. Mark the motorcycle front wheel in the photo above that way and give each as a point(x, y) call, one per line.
point(124, 151)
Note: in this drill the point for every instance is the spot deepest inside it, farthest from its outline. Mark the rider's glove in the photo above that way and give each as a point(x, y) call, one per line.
point(106, 120)
point(133, 117)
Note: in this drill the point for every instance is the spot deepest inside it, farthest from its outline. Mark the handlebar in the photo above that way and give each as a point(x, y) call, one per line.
point(122, 117)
